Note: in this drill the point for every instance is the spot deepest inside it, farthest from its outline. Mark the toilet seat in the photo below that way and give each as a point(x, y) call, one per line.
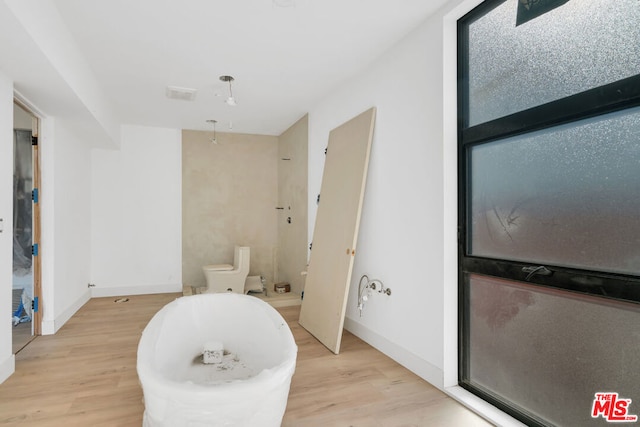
point(218, 267)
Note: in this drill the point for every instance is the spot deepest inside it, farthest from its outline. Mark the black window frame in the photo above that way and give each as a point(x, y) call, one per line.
point(616, 96)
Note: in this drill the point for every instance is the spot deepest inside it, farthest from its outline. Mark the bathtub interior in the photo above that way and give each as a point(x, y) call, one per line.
point(256, 339)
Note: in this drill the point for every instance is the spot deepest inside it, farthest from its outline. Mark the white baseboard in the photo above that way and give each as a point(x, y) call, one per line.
point(7, 368)
point(117, 291)
point(415, 364)
point(431, 374)
point(50, 327)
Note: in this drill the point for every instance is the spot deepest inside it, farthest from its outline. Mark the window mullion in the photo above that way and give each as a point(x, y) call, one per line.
point(608, 285)
point(615, 96)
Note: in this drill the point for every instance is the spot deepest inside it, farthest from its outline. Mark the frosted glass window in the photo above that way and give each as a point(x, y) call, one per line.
point(575, 47)
point(568, 196)
point(550, 351)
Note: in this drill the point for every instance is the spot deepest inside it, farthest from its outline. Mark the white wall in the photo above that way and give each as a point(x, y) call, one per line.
point(400, 239)
point(46, 28)
point(136, 214)
point(7, 361)
point(408, 236)
point(51, 75)
point(66, 227)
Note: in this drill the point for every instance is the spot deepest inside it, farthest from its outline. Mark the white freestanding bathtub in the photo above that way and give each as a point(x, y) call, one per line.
point(249, 387)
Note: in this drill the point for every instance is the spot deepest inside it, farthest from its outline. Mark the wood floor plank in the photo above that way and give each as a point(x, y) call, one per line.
point(86, 375)
point(21, 335)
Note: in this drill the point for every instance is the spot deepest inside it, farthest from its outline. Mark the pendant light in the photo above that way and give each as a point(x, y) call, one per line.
point(230, 100)
point(213, 140)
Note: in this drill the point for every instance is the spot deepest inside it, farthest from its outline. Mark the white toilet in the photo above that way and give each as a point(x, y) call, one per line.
point(226, 277)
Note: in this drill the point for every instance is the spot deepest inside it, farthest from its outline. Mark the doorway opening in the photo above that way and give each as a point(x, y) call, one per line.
point(26, 231)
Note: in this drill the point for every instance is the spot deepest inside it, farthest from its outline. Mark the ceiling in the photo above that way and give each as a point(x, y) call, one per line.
point(285, 55)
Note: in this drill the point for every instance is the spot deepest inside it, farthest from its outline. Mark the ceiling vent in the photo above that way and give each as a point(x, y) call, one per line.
point(181, 93)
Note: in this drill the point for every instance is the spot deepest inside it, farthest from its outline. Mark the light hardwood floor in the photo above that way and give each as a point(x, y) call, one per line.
point(85, 375)
point(21, 336)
